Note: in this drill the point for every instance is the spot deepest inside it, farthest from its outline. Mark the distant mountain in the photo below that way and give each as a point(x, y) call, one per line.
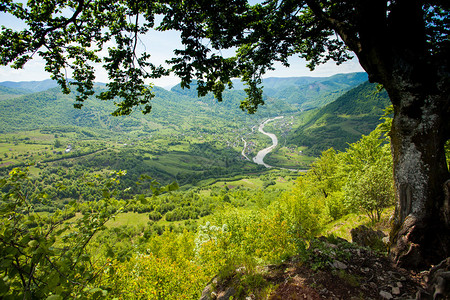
point(297, 93)
point(285, 82)
point(343, 121)
point(30, 86)
point(312, 92)
point(7, 92)
point(32, 105)
point(51, 108)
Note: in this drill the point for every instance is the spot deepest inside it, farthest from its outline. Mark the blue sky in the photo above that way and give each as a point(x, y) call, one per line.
point(161, 45)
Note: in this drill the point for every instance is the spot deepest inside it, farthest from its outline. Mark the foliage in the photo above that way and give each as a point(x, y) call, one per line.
point(43, 255)
point(244, 238)
point(303, 209)
point(149, 277)
point(323, 180)
point(369, 166)
point(166, 271)
point(341, 122)
point(339, 183)
point(47, 255)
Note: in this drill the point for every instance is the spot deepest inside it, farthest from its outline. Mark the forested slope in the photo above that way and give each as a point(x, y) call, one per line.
point(343, 121)
point(34, 105)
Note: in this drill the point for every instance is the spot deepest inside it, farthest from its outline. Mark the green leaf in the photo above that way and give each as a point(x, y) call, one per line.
point(97, 293)
point(143, 199)
point(33, 243)
point(53, 280)
point(173, 186)
point(106, 193)
point(4, 288)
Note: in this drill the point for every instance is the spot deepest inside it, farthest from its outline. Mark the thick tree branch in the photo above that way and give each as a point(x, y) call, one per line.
point(42, 34)
point(349, 37)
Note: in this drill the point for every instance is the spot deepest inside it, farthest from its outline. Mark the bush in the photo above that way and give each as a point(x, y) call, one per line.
point(155, 216)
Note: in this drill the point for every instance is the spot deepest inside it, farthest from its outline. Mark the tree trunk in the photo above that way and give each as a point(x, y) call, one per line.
point(392, 44)
point(420, 233)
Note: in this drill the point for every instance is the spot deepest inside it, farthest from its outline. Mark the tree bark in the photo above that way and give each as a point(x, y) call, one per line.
point(420, 233)
point(395, 54)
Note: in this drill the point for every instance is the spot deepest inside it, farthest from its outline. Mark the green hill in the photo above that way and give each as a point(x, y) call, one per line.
point(291, 93)
point(52, 108)
point(307, 93)
point(30, 86)
point(36, 105)
point(343, 121)
point(7, 92)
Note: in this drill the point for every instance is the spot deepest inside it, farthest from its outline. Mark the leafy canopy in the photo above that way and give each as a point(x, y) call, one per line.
point(73, 35)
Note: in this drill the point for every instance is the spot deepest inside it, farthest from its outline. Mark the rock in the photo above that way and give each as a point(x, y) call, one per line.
point(339, 265)
point(373, 285)
point(422, 295)
point(396, 290)
point(366, 237)
point(440, 288)
point(227, 294)
point(208, 293)
point(386, 295)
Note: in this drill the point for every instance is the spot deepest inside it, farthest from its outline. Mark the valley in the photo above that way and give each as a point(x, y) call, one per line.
point(185, 138)
point(117, 183)
point(259, 158)
point(195, 187)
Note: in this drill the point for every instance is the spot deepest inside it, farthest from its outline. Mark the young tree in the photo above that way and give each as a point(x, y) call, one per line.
point(369, 185)
point(57, 144)
point(323, 181)
point(402, 44)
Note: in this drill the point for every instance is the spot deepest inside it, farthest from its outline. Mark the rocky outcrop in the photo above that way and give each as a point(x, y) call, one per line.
point(367, 237)
point(333, 269)
point(210, 293)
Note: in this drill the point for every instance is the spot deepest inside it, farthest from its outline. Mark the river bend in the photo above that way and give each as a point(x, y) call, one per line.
point(259, 158)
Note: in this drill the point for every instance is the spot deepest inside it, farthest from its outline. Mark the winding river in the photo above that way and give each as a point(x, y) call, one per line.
point(243, 150)
point(259, 158)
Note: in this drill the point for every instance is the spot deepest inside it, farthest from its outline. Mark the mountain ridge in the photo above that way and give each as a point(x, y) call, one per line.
point(22, 110)
point(342, 121)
